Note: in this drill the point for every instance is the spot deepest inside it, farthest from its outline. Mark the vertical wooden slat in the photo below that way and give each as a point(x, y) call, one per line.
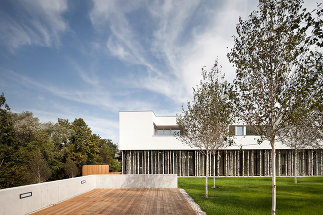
point(248, 164)
point(168, 167)
point(266, 171)
point(279, 165)
point(173, 164)
point(252, 163)
point(238, 163)
point(218, 163)
point(303, 170)
point(292, 163)
point(242, 163)
point(260, 163)
point(316, 162)
point(235, 163)
point(149, 163)
point(309, 162)
point(163, 164)
point(312, 163)
point(286, 159)
point(131, 162)
point(122, 162)
point(203, 164)
point(270, 162)
point(226, 163)
point(214, 164)
point(180, 163)
point(195, 162)
point(138, 163)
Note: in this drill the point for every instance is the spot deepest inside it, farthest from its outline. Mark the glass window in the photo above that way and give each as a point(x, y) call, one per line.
point(167, 132)
point(175, 132)
point(239, 130)
point(159, 132)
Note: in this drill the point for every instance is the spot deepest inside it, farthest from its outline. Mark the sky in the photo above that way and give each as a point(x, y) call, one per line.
point(91, 59)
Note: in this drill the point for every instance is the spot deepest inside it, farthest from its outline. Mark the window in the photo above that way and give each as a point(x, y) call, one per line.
point(175, 132)
point(239, 130)
point(166, 131)
point(159, 132)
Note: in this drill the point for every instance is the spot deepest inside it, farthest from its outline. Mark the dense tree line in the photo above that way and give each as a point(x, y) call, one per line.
point(33, 152)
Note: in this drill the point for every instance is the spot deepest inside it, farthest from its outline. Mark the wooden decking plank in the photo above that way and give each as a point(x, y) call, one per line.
point(124, 201)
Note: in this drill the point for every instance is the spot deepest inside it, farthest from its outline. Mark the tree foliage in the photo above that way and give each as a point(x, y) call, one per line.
point(274, 77)
point(304, 133)
point(205, 122)
point(33, 152)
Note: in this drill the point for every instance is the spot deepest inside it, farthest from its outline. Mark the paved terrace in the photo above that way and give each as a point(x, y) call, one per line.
point(124, 201)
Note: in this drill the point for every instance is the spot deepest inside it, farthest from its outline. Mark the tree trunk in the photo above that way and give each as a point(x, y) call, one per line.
point(295, 166)
point(206, 175)
point(273, 166)
point(214, 170)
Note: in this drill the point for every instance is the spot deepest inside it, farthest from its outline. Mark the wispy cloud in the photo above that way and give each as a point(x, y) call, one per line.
point(186, 36)
point(98, 97)
point(88, 76)
point(37, 22)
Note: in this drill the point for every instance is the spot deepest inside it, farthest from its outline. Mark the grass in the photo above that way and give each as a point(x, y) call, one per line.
point(253, 195)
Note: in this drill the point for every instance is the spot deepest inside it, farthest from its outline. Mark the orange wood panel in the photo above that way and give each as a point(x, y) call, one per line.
point(95, 169)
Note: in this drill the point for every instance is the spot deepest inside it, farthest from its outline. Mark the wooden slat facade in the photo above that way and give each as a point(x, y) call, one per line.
point(309, 162)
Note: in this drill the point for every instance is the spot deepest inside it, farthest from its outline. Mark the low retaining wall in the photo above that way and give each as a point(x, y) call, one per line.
point(31, 198)
point(136, 181)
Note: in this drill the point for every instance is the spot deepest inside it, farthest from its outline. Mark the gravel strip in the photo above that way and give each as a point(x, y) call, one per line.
point(193, 204)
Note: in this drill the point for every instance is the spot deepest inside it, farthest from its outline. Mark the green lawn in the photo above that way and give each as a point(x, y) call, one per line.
point(253, 195)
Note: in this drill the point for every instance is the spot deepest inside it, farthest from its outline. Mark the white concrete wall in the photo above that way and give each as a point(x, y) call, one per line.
point(43, 194)
point(49, 193)
point(136, 132)
point(136, 181)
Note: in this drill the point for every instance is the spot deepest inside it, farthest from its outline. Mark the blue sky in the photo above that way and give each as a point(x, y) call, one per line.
point(91, 59)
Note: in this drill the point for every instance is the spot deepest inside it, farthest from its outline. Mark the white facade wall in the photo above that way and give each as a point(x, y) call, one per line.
point(136, 132)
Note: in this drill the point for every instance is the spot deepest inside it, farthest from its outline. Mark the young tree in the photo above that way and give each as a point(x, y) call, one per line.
point(303, 133)
point(39, 169)
point(267, 53)
point(205, 123)
point(70, 168)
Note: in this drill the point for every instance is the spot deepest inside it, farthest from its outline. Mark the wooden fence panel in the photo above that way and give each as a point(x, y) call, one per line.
point(95, 169)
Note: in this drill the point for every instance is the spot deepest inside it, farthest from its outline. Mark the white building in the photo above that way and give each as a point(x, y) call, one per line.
point(149, 146)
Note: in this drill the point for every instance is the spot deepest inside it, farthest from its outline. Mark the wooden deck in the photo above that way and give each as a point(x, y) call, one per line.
point(124, 201)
